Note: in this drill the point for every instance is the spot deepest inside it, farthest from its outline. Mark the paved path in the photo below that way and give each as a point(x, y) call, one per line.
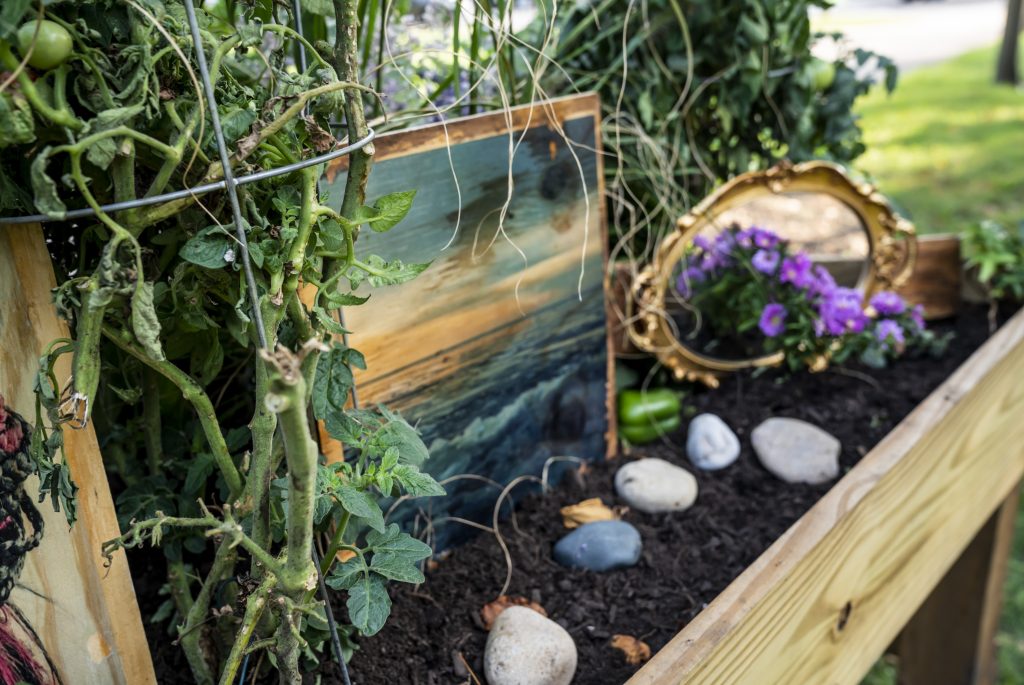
point(915, 34)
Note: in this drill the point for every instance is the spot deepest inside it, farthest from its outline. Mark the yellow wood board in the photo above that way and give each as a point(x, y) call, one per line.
point(823, 602)
point(86, 615)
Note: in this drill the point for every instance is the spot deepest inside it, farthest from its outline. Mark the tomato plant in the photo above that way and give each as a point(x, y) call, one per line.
point(167, 359)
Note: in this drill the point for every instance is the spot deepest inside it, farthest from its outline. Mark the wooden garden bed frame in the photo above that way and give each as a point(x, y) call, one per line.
point(909, 548)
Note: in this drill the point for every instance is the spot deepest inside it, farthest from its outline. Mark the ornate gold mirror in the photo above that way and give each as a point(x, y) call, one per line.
point(846, 227)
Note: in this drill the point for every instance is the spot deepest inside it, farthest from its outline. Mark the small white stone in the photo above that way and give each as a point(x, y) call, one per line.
point(654, 485)
point(796, 451)
point(525, 648)
point(710, 443)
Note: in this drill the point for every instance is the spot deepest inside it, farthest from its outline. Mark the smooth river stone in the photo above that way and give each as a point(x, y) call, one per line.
point(525, 648)
point(710, 443)
point(796, 451)
point(600, 546)
point(654, 485)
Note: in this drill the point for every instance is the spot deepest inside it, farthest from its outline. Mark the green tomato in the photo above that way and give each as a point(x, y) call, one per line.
point(822, 73)
point(642, 406)
point(52, 45)
point(643, 433)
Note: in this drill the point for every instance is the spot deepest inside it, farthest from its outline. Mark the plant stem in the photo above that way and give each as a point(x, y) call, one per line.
point(192, 632)
point(151, 416)
point(200, 401)
point(254, 607)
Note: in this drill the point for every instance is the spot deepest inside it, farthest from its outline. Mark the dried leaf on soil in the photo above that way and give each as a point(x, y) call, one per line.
point(492, 610)
point(635, 651)
point(587, 511)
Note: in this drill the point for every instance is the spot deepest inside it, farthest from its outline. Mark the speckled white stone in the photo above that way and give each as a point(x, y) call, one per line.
point(525, 648)
point(654, 485)
point(710, 443)
point(796, 451)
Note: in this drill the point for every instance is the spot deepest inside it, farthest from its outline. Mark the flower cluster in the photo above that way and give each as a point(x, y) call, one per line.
point(749, 279)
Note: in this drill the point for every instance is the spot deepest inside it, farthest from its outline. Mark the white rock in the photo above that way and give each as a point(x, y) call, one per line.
point(796, 451)
point(525, 648)
point(654, 485)
point(710, 443)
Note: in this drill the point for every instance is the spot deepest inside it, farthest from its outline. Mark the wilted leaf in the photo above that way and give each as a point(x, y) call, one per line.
point(635, 651)
point(145, 323)
point(490, 611)
point(587, 511)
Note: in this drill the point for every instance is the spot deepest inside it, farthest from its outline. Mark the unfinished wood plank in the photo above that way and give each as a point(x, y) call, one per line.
point(951, 638)
point(499, 352)
point(86, 615)
point(823, 602)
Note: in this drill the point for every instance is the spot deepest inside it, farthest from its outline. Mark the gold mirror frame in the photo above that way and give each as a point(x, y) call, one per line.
point(892, 250)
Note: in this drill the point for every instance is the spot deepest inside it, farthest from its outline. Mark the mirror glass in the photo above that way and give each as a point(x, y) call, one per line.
point(822, 227)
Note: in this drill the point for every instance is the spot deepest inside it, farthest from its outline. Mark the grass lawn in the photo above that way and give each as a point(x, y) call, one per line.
point(948, 144)
point(948, 148)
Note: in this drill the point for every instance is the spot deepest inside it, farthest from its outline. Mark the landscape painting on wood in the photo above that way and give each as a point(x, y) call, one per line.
point(498, 352)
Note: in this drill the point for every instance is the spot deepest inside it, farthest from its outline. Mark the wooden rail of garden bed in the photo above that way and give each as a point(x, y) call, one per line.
point(830, 595)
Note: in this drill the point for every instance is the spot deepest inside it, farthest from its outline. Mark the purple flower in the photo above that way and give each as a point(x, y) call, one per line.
point(745, 238)
point(823, 283)
point(917, 315)
point(797, 270)
point(773, 319)
point(686, 280)
point(765, 261)
point(889, 333)
point(764, 239)
point(888, 303)
point(724, 242)
point(841, 312)
point(703, 243)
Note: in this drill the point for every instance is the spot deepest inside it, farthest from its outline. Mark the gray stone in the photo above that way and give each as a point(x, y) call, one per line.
point(654, 485)
point(710, 443)
point(600, 546)
point(796, 451)
point(525, 648)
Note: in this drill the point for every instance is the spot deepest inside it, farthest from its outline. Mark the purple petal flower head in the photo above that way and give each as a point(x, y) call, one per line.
point(703, 243)
point(686, 280)
point(773, 319)
point(765, 261)
point(890, 334)
point(745, 238)
point(888, 303)
point(917, 315)
point(765, 239)
point(724, 242)
point(841, 312)
point(823, 283)
point(797, 270)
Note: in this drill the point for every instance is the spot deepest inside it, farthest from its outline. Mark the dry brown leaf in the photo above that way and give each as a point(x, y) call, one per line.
point(492, 610)
point(344, 555)
point(635, 651)
point(587, 511)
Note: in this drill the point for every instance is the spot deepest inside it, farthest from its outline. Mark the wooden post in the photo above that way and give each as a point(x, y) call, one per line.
point(951, 638)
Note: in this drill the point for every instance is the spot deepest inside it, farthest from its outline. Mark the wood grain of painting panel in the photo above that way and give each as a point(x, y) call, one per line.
point(86, 615)
point(824, 601)
point(498, 351)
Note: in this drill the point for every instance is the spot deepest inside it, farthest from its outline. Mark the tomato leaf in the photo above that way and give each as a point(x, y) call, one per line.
point(145, 323)
point(395, 554)
point(361, 504)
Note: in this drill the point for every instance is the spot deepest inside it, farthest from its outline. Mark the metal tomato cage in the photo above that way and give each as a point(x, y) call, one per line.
point(230, 183)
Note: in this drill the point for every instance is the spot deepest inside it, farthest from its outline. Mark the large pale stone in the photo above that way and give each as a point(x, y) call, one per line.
point(525, 648)
point(796, 451)
point(710, 443)
point(654, 485)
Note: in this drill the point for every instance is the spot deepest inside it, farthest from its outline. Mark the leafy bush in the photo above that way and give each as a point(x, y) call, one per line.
point(750, 283)
point(998, 254)
point(697, 92)
point(231, 486)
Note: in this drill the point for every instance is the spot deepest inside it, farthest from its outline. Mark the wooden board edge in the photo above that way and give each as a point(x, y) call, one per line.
point(97, 518)
point(706, 633)
point(474, 127)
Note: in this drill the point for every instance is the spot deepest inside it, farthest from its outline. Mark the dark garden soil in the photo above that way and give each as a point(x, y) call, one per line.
point(688, 557)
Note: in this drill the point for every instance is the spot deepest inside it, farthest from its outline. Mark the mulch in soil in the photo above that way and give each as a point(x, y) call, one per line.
point(688, 557)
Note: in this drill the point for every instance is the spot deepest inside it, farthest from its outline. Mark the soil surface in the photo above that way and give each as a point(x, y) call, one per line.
point(688, 557)
point(435, 630)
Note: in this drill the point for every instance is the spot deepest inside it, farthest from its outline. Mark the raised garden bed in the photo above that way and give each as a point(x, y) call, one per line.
point(761, 581)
